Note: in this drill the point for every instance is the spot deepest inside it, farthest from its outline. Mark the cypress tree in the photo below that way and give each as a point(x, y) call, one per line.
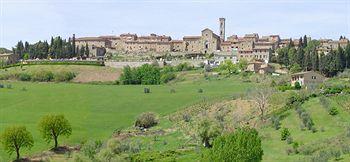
point(87, 51)
point(347, 55)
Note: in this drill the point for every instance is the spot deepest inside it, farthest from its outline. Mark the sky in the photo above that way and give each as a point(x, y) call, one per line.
point(34, 20)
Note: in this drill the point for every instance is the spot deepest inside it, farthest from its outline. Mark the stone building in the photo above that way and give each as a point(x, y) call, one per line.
point(250, 46)
point(8, 58)
point(307, 78)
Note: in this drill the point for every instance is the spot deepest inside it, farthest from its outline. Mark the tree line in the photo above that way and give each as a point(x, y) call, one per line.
point(58, 48)
point(305, 57)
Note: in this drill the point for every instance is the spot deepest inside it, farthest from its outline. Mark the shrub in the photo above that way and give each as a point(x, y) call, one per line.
point(296, 147)
point(9, 86)
point(241, 145)
point(333, 111)
point(297, 86)
point(24, 77)
point(1, 86)
point(289, 140)
point(289, 151)
point(276, 122)
point(146, 120)
point(285, 87)
point(168, 155)
point(42, 76)
point(285, 134)
point(200, 90)
point(186, 117)
point(166, 77)
point(172, 91)
point(64, 76)
point(91, 148)
point(146, 90)
point(183, 67)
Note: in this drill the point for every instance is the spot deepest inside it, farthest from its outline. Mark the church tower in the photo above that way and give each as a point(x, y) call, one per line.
point(222, 28)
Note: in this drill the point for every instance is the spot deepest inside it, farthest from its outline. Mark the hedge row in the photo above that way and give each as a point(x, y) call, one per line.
point(93, 63)
point(40, 76)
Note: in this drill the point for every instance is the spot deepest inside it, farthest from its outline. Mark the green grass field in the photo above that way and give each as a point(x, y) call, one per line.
point(96, 110)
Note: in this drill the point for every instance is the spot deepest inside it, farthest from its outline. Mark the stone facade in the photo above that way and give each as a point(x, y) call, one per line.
point(250, 46)
point(308, 78)
point(8, 58)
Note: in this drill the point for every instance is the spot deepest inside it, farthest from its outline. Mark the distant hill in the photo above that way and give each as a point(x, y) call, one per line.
point(4, 50)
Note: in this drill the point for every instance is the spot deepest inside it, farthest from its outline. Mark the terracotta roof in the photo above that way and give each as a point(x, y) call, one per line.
point(306, 72)
point(90, 39)
point(226, 43)
point(109, 37)
point(177, 41)
point(192, 37)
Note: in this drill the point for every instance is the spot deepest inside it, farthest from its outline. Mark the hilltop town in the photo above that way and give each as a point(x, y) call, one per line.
point(250, 46)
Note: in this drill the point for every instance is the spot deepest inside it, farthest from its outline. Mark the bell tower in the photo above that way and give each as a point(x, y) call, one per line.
point(222, 28)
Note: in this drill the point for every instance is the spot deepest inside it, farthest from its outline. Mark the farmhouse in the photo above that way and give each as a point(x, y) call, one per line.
point(8, 58)
point(260, 67)
point(307, 78)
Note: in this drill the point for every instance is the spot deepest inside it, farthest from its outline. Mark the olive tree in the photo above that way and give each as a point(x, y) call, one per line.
point(16, 137)
point(261, 96)
point(242, 145)
point(207, 131)
point(53, 126)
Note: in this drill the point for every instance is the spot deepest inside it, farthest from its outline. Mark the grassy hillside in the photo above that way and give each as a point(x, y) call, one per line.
point(330, 129)
point(95, 111)
point(84, 73)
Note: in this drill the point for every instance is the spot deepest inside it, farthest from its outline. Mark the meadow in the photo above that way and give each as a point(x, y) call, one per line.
point(95, 111)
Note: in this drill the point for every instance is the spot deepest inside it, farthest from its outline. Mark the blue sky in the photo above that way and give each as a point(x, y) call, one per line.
point(34, 20)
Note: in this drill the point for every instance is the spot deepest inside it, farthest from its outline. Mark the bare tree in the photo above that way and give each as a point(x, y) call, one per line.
point(260, 96)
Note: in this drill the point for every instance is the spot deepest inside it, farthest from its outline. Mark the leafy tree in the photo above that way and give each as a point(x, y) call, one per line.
point(228, 68)
point(53, 126)
point(16, 137)
point(207, 131)
point(295, 68)
point(242, 145)
point(26, 56)
point(243, 64)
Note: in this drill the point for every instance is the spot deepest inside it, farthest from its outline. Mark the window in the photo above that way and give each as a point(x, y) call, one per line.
point(313, 77)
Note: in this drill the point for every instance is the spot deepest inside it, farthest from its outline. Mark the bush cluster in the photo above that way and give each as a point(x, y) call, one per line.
point(146, 120)
point(184, 67)
point(147, 75)
point(169, 155)
point(42, 62)
point(40, 76)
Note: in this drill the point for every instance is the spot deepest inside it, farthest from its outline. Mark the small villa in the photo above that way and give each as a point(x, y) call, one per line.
point(307, 78)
